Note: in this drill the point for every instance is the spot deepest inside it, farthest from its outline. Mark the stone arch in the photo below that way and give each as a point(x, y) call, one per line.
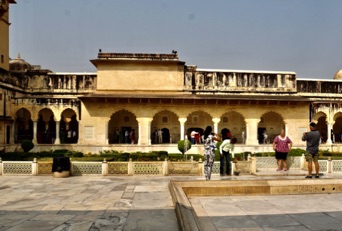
point(337, 128)
point(23, 126)
point(235, 123)
point(321, 120)
point(198, 121)
point(120, 125)
point(269, 127)
point(46, 127)
point(167, 122)
point(68, 127)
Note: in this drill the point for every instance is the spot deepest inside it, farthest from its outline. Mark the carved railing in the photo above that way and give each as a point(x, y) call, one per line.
point(319, 86)
point(73, 103)
point(239, 81)
point(158, 167)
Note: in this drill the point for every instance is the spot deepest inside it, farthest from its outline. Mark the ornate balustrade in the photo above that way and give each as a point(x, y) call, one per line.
point(78, 168)
point(238, 81)
point(319, 86)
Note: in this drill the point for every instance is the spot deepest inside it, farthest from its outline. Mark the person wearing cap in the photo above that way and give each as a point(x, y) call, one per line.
point(312, 139)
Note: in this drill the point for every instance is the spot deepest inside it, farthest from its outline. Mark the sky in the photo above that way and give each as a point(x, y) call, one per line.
point(303, 36)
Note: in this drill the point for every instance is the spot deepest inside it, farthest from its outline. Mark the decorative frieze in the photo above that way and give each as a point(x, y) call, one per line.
point(237, 81)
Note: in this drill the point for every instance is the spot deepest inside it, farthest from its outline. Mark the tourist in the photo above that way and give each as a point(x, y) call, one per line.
point(126, 137)
point(160, 136)
point(282, 145)
point(209, 150)
point(312, 139)
point(193, 137)
point(225, 147)
point(264, 135)
point(132, 136)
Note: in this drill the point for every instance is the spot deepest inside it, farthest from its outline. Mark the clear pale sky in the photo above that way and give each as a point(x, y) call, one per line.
point(304, 36)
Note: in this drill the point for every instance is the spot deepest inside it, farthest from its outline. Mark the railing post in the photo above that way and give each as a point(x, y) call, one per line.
point(71, 168)
point(302, 162)
point(253, 164)
point(104, 167)
point(200, 167)
point(130, 167)
point(165, 167)
point(329, 165)
point(34, 167)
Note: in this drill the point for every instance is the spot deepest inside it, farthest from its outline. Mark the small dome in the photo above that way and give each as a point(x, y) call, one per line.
point(19, 65)
point(338, 75)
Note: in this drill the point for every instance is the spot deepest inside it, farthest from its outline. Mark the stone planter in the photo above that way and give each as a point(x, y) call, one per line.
point(61, 167)
point(61, 174)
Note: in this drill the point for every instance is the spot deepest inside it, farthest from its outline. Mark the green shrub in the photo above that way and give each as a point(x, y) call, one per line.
point(184, 145)
point(27, 145)
point(296, 152)
point(139, 156)
point(162, 155)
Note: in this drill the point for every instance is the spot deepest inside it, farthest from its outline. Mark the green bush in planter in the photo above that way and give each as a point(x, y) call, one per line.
point(184, 145)
point(27, 145)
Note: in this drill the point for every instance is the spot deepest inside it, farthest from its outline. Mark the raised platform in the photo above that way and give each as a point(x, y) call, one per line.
point(188, 220)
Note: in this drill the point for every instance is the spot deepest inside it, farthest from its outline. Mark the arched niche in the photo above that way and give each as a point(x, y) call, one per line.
point(270, 125)
point(120, 126)
point(165, 128)
point(23, 126)
point(234, 123)
point(68, 127)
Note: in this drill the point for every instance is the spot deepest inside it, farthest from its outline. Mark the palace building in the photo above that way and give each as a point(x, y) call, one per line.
point(145, 102)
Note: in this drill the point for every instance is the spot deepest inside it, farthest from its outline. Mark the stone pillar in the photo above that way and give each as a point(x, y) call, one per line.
point(34, 167)
point(234, 82)
point(74, 82)
point(329, 133)
point(144, 130)
point(130, 167)
point(252, 131)
point(58, 140)
point(182, 127)
point(106, 132)
point(216, 121)
point(279, 84)
point(104, 167)
point(286, 129)
point(13, 135)
point(34, 141)
point(83, 82)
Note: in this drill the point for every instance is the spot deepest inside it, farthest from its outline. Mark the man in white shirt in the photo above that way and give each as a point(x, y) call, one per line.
point(224, 154)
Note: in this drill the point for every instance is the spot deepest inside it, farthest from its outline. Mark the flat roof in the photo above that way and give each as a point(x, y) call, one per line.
point(323, 80)
point(246, 71)
point(72, 73)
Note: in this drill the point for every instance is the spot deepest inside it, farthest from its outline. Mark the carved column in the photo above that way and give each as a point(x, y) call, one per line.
point(182, 127)
point(106, 132)
point(83, 82)
point(330, 125)
point(279, 84)
point(34, 141)
point(144, 130)
point(58, 140)
point(234, 82)
point(252, 131)
point(216, 121)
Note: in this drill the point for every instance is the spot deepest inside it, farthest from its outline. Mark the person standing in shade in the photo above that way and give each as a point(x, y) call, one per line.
point(312, 139)
point(282, 145)
point(209, 151)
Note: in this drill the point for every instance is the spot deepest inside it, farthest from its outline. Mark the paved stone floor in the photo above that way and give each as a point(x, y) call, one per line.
point(92, 203)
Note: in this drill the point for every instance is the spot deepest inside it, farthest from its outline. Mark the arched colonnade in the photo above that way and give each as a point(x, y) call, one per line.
point(46, 127)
